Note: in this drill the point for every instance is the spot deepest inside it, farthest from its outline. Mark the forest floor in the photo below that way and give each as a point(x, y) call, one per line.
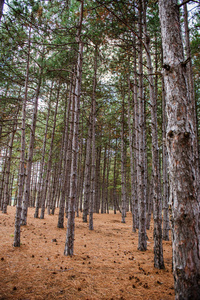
point(106, 264)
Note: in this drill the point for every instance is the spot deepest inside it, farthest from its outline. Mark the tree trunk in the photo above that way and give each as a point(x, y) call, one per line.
point(7, 174)
point(135, 137)
point(22, 155)
point(103, 182)
point(142, 243)
point(130, 129)
point(69, 245)
point(93, 167)
point(156, 177)
point(123, 183)
point(87, 175)
point(3, 179)
point(166, 228)
point(114, 181)
point(183, 171)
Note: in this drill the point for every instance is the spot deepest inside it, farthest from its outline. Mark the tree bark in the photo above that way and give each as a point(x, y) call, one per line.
point(183, 172)
point(123, 183)
point(22, 155)
point(87, 175)
point(166, 228)
point(156, 176)
point(142, 243)
point(93, 167)
point(130, 128)
point(69, 245)
point(103, 182)
point(7, 173)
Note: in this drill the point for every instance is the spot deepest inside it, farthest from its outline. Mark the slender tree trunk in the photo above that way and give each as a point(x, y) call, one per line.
point(135, 139)
point(114, 180)
point(142, 243)
point(22, 155)
point(93, 167)
point(107, 179)
point(3, 179)
point(103, 181)
point(156, 177)
point(87, 175)
point(7, 174)
point(123, 183)
point(97, 180)
point(82, 180)
point(131, 159)
point(150, 200)
point(166, 228)
point(69, 245)
point(183, 171)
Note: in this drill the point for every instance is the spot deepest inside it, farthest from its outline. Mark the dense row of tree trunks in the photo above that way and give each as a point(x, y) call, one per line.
point(26, 195)
point(65, 169)
point(49, 163)
point(181, 146)
point(6, 194)
point(40, 179)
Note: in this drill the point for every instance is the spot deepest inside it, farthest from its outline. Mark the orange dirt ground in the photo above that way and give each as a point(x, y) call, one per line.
point(106, 264)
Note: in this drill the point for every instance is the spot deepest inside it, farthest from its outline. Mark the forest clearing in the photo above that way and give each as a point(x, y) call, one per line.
point(106, 264)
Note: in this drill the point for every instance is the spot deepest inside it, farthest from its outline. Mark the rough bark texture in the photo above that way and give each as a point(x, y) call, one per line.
point(183, 173)
point(156, 177)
